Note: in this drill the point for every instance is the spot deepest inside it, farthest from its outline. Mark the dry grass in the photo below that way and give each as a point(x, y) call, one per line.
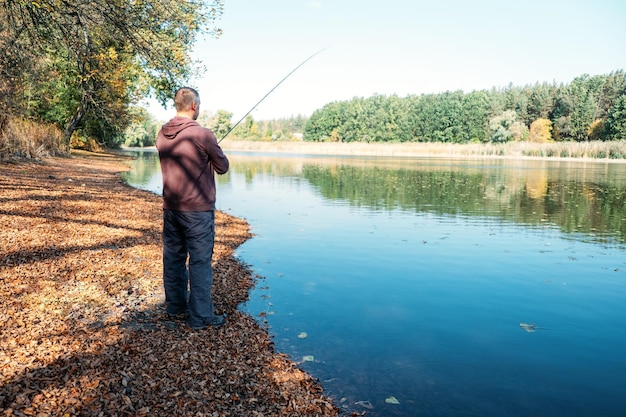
point(614, 150)
point(26, 139)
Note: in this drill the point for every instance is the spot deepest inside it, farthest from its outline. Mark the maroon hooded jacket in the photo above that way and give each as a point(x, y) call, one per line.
point(189, 156)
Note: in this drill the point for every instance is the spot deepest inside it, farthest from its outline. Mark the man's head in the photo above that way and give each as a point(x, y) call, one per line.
point(187, 102)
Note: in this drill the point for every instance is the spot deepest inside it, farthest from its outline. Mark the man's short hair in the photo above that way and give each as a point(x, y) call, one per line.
point(185, 97)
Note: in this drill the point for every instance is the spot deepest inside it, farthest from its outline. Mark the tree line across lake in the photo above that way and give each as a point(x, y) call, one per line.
point(588, 108)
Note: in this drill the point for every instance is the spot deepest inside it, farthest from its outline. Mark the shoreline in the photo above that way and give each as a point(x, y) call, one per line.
point(84, 328)
point(517, 150)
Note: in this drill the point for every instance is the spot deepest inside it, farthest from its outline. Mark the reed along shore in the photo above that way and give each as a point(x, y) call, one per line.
point(609, 151)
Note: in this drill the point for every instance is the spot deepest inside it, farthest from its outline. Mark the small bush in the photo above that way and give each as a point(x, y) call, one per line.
point(78, 141)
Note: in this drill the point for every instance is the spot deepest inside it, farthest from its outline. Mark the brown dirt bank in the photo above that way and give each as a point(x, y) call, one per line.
point(83, 331)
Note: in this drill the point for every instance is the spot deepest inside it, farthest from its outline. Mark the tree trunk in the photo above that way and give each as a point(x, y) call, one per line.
point(73, 123)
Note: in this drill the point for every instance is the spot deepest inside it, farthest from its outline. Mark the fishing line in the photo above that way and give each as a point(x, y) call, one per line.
point(270, 92)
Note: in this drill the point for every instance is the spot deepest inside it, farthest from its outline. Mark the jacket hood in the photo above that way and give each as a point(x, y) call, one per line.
point(176, 125)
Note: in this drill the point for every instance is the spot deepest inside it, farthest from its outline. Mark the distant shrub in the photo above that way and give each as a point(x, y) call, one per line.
point(595, 129)
point(540, 131)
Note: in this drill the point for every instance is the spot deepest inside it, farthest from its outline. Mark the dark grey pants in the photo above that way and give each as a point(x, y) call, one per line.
point(188, 288)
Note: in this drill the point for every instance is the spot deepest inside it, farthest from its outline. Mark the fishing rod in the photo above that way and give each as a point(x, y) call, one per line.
point(270, 92)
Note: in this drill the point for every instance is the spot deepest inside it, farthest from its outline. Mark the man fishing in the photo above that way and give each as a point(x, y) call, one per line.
point(189, 155)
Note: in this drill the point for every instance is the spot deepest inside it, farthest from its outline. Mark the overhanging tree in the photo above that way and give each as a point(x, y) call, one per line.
point(111, 52)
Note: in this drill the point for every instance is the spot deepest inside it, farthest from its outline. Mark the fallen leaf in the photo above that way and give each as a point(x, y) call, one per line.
point(392, 400)
point(81, 305)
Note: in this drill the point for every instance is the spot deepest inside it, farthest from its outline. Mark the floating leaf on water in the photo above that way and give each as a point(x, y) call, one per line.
point(529, 328)
point(392, 400)
point(365, 404)
point(303, 335)
point(308, 358)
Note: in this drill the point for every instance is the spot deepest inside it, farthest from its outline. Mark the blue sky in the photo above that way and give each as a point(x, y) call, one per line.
point(398, 47)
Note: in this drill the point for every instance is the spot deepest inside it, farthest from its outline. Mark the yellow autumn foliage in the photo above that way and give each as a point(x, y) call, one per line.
point(540, 131)
point(595, 129)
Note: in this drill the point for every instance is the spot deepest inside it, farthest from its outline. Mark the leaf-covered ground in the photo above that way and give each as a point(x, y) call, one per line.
point(83, 330)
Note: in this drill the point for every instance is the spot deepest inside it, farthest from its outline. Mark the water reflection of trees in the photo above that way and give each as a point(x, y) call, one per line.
point(577, 198)
point(251, 168)
point(530, 197)
point(144, 166)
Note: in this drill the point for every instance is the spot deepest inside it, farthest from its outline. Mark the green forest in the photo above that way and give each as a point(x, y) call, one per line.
point(588, 108)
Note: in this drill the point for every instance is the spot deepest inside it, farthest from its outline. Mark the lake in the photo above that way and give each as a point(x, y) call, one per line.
point(435, 287)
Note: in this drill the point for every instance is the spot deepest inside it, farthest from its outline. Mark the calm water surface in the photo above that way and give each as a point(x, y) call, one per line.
point(402, 283)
